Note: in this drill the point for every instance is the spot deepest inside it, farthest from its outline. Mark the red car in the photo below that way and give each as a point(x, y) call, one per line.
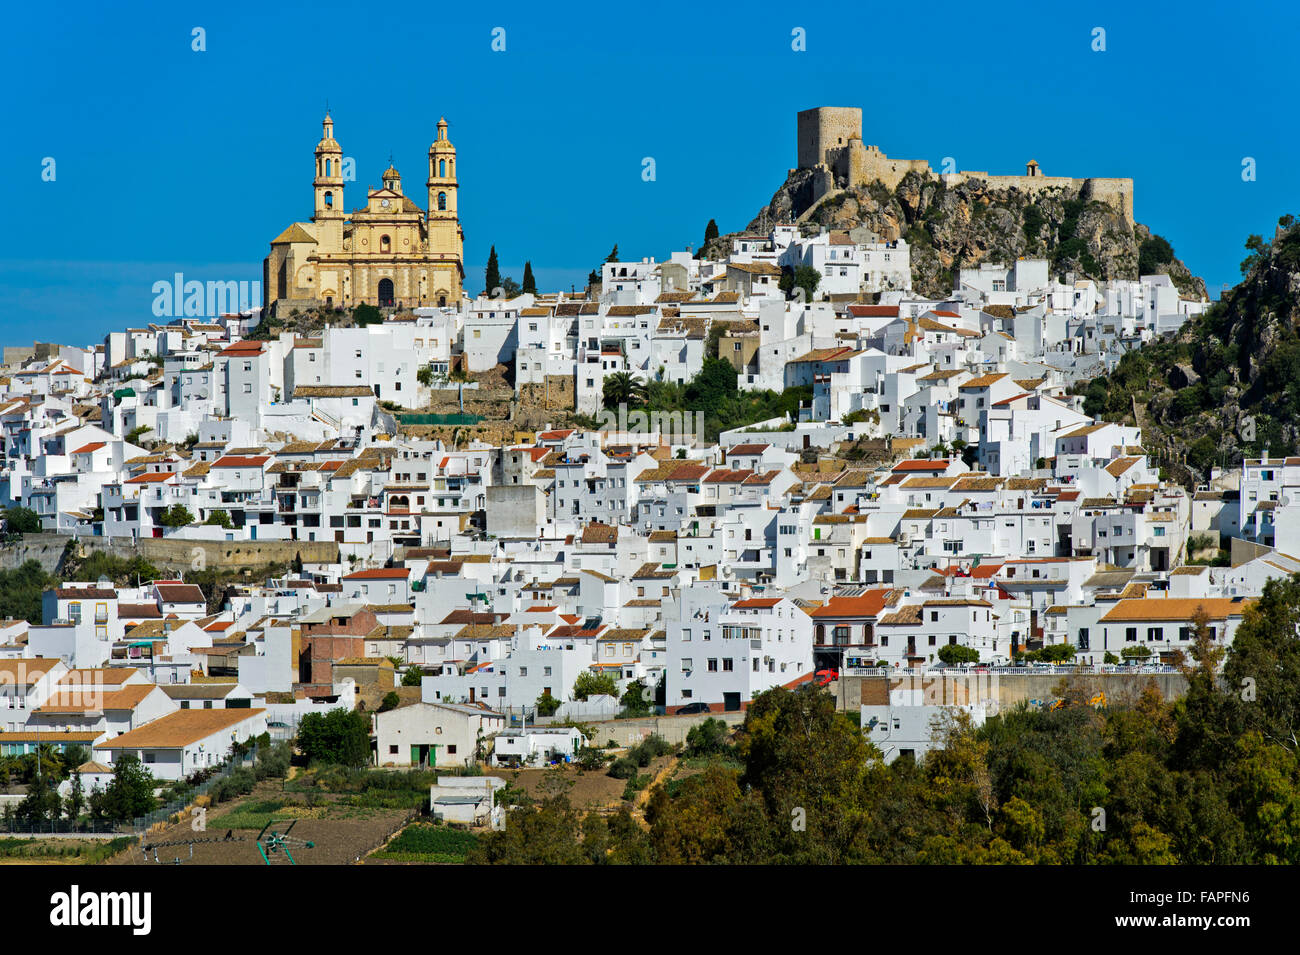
point(825, 677)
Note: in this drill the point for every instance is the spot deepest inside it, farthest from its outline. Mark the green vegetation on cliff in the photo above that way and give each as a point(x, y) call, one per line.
point(1228, 385)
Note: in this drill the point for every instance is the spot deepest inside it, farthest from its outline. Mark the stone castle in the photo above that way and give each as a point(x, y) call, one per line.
point(830, 144)
point(390, 252)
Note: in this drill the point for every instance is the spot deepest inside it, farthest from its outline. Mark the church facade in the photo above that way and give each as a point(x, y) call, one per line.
point(390, 253)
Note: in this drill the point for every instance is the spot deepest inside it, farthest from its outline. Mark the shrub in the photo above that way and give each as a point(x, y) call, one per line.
point(591, 759)
point(707, 738)
point(219, 518)
point(623, 768)
point(954, 653)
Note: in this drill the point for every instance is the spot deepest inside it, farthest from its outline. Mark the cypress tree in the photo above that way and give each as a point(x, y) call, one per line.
point(530, 283)
point(493, 276)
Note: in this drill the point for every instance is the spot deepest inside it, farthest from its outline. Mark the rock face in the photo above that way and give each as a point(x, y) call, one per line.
point(949, 228)
point(1229, 385)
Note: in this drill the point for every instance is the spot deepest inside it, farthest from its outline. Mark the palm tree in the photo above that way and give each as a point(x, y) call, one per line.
point(623, 388)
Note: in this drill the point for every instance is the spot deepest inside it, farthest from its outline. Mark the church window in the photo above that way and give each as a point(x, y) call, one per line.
point(384, 243)
point(442, 202)
point(328, 168)
point(329, 200)
point(442, 167)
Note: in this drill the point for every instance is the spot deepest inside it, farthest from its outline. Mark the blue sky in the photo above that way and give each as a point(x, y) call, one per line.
point(170, 160)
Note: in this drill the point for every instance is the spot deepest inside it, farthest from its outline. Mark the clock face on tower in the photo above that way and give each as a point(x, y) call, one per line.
point(384, 203)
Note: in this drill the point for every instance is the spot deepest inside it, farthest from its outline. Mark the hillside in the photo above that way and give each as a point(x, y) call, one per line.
point(952, 227)
point(1228, 385)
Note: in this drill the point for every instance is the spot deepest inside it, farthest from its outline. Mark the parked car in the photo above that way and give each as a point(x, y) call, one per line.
point(690, 708)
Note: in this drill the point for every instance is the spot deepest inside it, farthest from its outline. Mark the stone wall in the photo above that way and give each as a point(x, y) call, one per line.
point(170, 555)
point(1007, 688)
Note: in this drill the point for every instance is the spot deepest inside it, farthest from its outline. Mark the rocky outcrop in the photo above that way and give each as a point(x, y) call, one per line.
point(954, 227)
point(1229, 385)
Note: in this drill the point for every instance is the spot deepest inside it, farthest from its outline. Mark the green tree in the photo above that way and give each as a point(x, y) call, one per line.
point(21, 591)
point(954, 653)
point(623, 388)
point(76, 800)
point(529, 286)
point(613, 254)
point(129, 795)
point(549, 834)
point(366, 314)
point(178, 515)
point(21, 520)
point(492, 275)
point(707, 739)
point(219, 518)
point(413, 676)
point(547, 704)
point(1154, 252)
point(42, 803)
point(800, 277)
point(635, 700)
point(340, 737)
point(391, 701)
point(710, 233)
point(590, 684)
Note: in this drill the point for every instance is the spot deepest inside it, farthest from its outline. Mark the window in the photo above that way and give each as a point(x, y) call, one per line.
point(713, 665)
point(442, 202)
point(727, 665)
point(451, 749)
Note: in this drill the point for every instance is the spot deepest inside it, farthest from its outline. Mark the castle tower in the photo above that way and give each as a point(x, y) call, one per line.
point(442, 176)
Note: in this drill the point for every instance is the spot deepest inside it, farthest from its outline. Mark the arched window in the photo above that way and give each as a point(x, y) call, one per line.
point(442, 168)
point(328, 166)
point(329, 200)
point(442, 202)
point(384, 243)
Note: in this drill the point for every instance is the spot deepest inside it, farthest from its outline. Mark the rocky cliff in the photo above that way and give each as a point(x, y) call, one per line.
point(1229, 385)
point(953, 227)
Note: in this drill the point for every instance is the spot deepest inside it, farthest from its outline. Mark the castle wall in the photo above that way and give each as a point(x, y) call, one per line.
point(830, 143)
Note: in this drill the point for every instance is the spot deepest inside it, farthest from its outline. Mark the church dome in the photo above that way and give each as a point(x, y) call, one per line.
point(391, 172)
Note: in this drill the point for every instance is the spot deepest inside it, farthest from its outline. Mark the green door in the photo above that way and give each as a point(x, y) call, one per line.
point(415, 756)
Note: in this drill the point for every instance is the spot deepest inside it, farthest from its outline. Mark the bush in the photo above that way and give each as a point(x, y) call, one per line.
point(273, 761)
point(650, 747)
point(623, 768)
point(707, 738)
point(954, 653)
point(22, 520)
point(340, 736)
point(178, 515)
point(591, 759)
point(219, 518)
point(239, 783)
point(590, 684)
